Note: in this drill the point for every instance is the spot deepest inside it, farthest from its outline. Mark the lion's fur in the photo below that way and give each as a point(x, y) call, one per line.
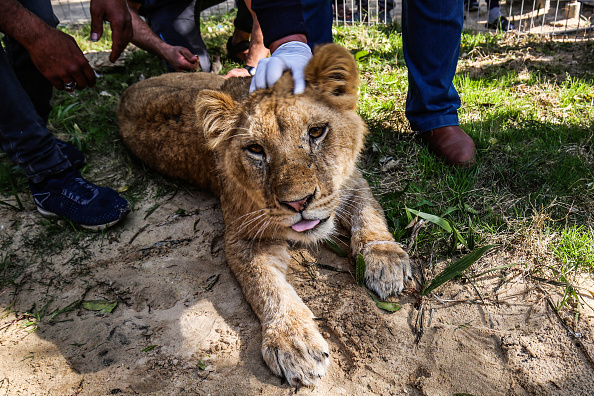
point(299, 186)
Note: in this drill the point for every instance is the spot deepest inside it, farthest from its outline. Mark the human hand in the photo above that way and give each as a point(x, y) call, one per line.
point(180, 58)
point(116, 12)
point(58, 58)
point(239, 72)
point(292, 56)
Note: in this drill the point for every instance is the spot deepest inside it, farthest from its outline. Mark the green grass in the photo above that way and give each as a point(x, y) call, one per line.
point(527, 102)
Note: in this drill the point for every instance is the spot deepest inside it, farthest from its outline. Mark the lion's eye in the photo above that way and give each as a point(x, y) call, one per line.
point(255, 149)
point(317, 131)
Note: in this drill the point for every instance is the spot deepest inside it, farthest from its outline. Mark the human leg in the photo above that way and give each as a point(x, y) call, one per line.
point(385, 8)
point(49, 164)
point(57, 187)
point(496, 20)
point(318, 20)
point(431, 32)
point(35, 85)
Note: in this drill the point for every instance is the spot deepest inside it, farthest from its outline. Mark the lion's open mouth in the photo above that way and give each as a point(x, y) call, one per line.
point(306, 225)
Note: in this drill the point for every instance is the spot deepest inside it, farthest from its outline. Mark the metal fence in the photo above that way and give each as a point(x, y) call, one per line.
point(562, 18)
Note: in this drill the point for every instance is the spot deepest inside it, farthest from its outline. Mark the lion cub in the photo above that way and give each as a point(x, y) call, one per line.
point(284, 167)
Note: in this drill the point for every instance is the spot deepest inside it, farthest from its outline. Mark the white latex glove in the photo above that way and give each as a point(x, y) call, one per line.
point(292, 56)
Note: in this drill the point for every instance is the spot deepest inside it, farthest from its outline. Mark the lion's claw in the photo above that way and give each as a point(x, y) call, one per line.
point(387, 268)
point(301, 355)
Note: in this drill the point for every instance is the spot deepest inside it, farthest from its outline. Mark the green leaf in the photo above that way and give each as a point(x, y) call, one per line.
point(100, 305)
point(471, 236)
point(449, 210)
point(361, 54)
point(334, 246)
point(201, 365)
point(470, 210)
point(458, 235)
point(385, 305)
point(149, 348)
point(455, 269)
point(432, 218)
point(360, 268)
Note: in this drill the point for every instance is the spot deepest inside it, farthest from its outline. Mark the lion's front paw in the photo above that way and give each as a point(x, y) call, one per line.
point(296, 351)
point(387, 268)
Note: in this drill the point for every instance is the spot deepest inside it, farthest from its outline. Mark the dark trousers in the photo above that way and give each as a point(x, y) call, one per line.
point(431, 33)
point(25, 106)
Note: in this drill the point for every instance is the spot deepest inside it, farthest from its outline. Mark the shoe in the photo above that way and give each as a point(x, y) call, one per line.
point(451, 144)
point(68, 195)
point(501, 23)
point(76, 158)
point(471, 5)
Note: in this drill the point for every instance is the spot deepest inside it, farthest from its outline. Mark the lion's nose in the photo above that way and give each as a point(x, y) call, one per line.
point(299, 205)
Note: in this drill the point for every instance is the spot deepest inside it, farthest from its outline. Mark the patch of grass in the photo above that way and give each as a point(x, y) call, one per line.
point(575, 249)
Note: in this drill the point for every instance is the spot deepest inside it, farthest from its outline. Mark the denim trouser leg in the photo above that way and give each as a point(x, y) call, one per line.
point(37, 87)
point(23, 135)
point(431, 31)
point(318, 20)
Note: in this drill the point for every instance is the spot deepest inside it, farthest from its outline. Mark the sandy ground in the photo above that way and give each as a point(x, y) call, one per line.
point(159, 267)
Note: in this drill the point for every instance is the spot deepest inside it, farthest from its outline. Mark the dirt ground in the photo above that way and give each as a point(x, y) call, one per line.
point(176, 332)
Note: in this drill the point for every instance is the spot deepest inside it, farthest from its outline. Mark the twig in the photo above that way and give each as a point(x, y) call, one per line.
point(144, 227)
point(413, 235)
point(419, 328)
point(329, 267)
point(569, 330)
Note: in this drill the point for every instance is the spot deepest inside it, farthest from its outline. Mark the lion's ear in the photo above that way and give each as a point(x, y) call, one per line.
point(214, 111)
point(332, 71)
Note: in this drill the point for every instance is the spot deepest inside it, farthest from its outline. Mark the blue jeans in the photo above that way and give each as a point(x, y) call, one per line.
point(431, 32)
point(25, 105)
point(318, 19)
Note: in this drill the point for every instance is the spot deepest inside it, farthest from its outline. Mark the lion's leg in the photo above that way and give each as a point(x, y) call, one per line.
point(292, 346)
point(387, 265)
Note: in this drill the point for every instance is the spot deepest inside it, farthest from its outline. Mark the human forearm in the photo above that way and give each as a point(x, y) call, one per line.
point(21, 24)
point(179, 57)
point(143, 36)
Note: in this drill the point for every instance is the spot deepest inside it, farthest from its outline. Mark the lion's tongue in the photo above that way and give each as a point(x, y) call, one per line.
point(305, 225)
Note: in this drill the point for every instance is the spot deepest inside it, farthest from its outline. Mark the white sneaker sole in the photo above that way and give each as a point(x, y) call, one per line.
point(99, 227)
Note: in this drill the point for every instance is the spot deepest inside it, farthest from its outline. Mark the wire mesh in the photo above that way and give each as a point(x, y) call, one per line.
point(562, 18)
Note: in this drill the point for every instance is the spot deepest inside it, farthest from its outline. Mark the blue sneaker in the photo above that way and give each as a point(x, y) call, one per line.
point(69, 195)
point(76, 158)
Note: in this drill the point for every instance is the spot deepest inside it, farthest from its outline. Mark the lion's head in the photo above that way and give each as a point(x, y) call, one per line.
point(284, 161)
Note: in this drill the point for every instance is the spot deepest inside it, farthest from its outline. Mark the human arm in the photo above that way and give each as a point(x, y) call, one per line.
point(257, 49)
point(120, 21)
point(179, 57)
point(55, 54)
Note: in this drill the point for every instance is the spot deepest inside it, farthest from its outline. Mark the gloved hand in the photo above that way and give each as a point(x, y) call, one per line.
point(292, 56)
